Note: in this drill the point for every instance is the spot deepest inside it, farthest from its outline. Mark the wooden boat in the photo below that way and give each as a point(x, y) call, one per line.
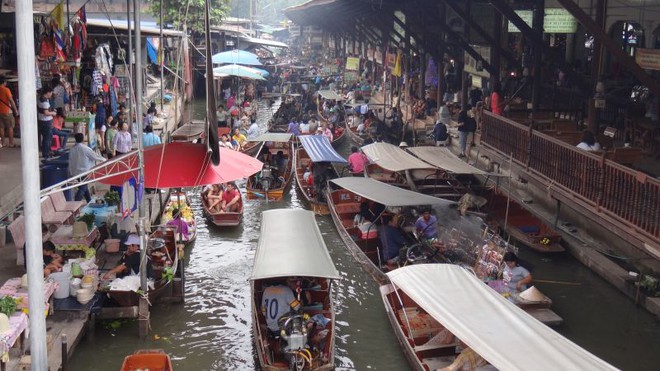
point(344, 204)
point(189, 132)
point(268, 184)
point(437, 309)
point(223, 219)
point(316, 154)
point(181, 201)
point(354, 135)
point(340, 134)
point(163, 253)
point(281, 259)
point(147, 359)
point(252, 148)
point(521, 223)
point(395, 166)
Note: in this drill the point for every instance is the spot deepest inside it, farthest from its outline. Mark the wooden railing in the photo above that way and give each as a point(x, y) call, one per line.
point(609, 189)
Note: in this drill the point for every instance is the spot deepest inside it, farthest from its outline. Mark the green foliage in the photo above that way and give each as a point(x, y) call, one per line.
point(190, 12)
point(112, 198)
point(88, 219)
point(7, 305)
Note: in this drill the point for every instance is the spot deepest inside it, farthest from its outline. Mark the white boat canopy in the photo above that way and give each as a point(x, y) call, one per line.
point(443, 158)
point(319, 148)
point(503, 334)
point(392, 158)
point(272, 137)
point(386, 194)
point(291, 245)
point(330, 95)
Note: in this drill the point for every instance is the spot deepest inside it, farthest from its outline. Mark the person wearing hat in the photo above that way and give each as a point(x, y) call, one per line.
point(130, 261)
point(516, 277)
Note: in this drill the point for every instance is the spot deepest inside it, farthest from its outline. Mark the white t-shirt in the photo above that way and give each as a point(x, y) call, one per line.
point(586, 147)
point(277, 301)
point(304, 128)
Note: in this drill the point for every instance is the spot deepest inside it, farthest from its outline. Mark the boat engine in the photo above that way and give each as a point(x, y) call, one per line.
point(294, 332)
point(266, 179)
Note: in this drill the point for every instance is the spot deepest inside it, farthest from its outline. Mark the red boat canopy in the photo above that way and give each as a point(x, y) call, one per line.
point(175, 165)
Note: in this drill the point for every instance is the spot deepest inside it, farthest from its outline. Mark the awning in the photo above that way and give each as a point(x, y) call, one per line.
point(291, 244)
point(386, 194)
point(393, 158)
point(272, 137)
point(330, 95)
point(263, 42)
point(123, 25)
point(443, 158)
point(503, 334)
point(319, 149)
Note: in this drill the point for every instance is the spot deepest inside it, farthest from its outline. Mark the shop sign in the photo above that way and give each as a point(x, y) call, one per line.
point(352, 64)
point(556, 20)
point(350, 76)
point(378, 56)
point(648, 59)
point(295, 30)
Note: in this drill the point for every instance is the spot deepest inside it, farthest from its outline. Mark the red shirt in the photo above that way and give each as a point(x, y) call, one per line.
point(357, 161)
point(227, 196)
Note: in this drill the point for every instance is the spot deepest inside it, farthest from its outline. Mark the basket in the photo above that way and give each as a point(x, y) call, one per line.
point(112, 245)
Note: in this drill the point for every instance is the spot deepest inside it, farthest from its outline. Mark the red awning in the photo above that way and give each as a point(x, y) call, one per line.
point(179, 164)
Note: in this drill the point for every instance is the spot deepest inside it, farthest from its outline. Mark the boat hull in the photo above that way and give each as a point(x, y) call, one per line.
point(226, 219)
point(254, 191)
point(300, 162)
point(147, 359)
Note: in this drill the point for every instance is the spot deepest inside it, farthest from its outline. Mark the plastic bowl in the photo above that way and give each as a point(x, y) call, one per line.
point(84, 301)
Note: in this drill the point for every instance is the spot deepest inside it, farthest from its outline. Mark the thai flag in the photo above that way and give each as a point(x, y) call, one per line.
point(82, 14)
point(59, 39)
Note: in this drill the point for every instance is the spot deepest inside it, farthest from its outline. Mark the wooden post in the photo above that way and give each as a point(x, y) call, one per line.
point(539, 13)
point(596, 68)
point(495, 55)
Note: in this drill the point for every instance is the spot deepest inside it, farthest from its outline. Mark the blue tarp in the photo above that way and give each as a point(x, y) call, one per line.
point(152, 50)
point(319, 149)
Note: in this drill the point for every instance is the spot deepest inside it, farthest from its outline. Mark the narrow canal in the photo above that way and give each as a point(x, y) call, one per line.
point(212, 329)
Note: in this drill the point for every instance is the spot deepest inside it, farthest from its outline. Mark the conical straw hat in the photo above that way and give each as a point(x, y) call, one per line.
point(532, 294)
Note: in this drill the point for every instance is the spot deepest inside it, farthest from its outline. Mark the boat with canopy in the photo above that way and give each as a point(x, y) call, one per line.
point(314, 160)
point(340, 129)
point(300, 334)
point(438, 309)
point(274, 179)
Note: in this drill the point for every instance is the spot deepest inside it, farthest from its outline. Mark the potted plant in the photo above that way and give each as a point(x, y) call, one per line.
point(112, 198)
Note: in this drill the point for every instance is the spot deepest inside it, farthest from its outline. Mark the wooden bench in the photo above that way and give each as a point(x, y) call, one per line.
point(50, 217)
point(626, 156)
point(61, 204)
point(348, 208)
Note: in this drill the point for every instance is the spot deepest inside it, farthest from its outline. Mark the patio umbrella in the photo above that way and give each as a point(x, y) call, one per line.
point(180, 165)
point(239, 71)
point(236, 57)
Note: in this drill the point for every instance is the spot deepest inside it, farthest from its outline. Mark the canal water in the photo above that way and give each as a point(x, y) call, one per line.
point(212, 329)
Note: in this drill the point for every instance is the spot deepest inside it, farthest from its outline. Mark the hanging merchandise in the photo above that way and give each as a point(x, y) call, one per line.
point(97, 83)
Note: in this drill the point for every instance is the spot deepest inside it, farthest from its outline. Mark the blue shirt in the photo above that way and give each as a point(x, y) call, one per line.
point(150, 139)
point(392, 241)
point(294, 128)
point(429, 229)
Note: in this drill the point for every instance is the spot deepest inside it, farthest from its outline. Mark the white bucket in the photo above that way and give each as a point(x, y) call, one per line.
point(63, 279)
point(74, 286)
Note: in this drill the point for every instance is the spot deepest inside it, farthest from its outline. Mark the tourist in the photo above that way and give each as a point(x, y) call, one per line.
point(57, 129)
point(357, 161)
point(122, 142)
point(121, 113)
point(466, 125)
point(304, 126)
point(152, 109)
point(149, 138)
point(392, 240)
point(515, 277)
point(277, 301)
point(45, 121)
point(427, 225)
point(60, 96)
point(440, 133)
point(81, 160)
point(129, 264)
point(110, 138)
point(180, 224)
point(224, 142)
point(222, 116)
point(239, 138)
point(8, 110)
point(231, 198)
point(293, 128)
point(214, 197)
point(496, 103)
point(588, 142)
point(99, 119)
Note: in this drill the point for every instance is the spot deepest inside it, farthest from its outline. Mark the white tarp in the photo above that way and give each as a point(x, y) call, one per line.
point(291, 245)
point(503, 334)
point(443, 158)
point(330, 95)
point(386, 194)
point(272, 137)
point(393, 158)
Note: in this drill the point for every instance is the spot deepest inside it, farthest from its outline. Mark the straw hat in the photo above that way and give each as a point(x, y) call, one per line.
point(532, 294)
point(80, 229)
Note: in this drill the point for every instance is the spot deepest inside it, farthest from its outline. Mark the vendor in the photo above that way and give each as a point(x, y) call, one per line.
point(129, 262)
point(427, 225)
point(52, 261)
point(180, 224)
point(516, 277)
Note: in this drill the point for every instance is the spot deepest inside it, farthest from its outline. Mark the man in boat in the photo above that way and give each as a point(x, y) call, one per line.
point(239, 137)
point(356, 161)
point(129, 262)
point(294, 127)
point(392, 240)
point(277, 301)
point(180, 224)
point(516, 277)
point(427, 225)
point(230, 199)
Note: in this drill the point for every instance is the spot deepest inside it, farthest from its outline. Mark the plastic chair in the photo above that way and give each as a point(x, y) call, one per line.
point(55, 143)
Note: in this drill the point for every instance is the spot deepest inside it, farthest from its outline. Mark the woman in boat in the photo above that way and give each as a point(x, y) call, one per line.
point(516, 277)
point(180, 224)
point(214, 197)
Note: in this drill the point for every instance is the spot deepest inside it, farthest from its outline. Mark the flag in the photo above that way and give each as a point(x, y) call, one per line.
point(397, 66)
point(58, 16)
point(82, 14)
point(58, 38)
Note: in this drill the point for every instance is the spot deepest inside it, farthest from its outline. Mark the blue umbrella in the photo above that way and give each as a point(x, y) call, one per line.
point(237, 70)
point(236, 57)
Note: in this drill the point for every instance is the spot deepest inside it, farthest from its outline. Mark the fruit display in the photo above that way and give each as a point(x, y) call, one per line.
point(178, 202)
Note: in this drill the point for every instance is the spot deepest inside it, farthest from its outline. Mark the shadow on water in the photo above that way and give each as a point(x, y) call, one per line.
point(212, 329)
